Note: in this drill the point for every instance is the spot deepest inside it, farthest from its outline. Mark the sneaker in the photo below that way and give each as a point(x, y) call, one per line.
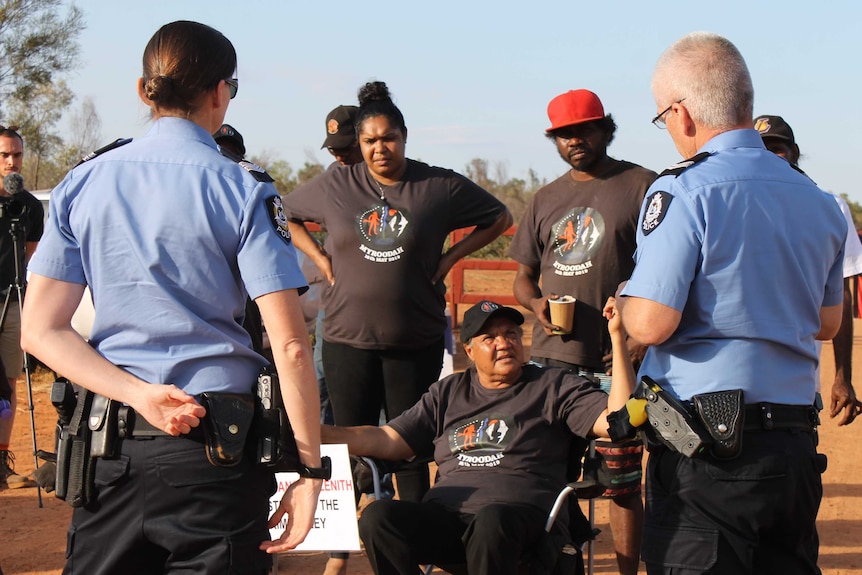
point(8, 475)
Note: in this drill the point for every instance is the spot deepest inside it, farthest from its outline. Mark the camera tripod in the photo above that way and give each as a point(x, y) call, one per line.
point(18, 231)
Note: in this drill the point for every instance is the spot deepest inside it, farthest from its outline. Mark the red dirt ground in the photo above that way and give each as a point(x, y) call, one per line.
point(32, 539)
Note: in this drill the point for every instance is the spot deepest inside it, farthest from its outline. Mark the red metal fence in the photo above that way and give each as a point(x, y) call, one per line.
point(457, 294)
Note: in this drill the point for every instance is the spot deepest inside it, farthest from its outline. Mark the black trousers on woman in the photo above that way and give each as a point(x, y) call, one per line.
point(361, 381)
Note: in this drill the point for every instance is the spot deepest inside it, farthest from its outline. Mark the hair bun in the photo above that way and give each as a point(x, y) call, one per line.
point(159, 88)
point(374, 92)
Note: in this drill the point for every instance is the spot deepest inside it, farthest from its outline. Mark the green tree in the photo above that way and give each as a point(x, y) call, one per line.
point(84, 136)
point(37, 118)
point(280, 170)
point(855, 211)
point(308, 172)
point(37, 45)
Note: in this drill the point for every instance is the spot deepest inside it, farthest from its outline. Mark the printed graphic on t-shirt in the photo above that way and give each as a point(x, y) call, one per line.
point(382, 230)
point(577, 237)
point(480, 441)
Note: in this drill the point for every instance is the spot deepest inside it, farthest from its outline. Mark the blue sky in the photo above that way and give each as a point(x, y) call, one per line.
point(473, 78)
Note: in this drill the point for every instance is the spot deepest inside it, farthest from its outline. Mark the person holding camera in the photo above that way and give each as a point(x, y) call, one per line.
point(20, 212)
point(171, 237)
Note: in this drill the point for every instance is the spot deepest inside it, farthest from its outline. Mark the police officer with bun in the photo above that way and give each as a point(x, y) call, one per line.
point(171, 236)
point(738, 270)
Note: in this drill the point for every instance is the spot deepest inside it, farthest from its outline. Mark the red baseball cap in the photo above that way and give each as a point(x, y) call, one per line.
point(574, 107)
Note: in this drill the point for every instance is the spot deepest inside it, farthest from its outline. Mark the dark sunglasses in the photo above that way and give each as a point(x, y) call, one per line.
point(233, 84)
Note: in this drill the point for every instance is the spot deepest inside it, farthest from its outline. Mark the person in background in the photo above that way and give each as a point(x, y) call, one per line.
point(778, 138)
point(577, 238)
point(11, 356)
point(341, 143)
point(738, 271)
point(341, 136)
point(172, 237)
point(387, 220)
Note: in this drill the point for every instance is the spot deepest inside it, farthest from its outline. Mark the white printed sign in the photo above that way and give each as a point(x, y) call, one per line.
point(334, 526)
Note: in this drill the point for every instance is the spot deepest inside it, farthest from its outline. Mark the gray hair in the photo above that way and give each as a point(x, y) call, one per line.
point(709, 72)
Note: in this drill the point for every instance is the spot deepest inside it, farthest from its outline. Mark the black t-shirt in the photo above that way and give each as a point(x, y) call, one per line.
point(581, 236)
point(22, 209)
point(508, 445)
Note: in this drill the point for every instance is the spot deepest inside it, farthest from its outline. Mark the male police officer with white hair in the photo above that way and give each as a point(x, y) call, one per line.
point(738, 271)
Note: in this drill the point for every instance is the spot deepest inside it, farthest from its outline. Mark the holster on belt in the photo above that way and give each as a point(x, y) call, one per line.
point(226, 426)
point(723, 415)
point(276, 445)
point(671, 423)
point(103, 427)
point(75, 467)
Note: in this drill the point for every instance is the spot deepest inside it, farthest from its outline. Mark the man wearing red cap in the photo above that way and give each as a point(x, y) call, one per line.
point(579, 237)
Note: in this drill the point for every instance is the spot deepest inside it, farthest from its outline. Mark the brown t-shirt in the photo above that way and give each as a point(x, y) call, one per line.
point(581, 236)
point(385, 252)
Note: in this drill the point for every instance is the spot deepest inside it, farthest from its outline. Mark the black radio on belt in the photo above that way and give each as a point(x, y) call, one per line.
point(276, 446)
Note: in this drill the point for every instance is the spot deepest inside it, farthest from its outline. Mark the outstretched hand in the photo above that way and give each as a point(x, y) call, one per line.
point(299, 503)
point(169, 408)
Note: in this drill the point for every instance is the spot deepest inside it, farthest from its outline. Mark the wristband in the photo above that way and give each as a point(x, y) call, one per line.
point(322, 472)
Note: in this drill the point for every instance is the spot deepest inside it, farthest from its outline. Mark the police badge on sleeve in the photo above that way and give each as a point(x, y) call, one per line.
point(657, 206)
point(277, 217)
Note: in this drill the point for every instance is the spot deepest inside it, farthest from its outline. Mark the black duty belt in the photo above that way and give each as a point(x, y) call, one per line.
point(775, 416)
point(132, 425)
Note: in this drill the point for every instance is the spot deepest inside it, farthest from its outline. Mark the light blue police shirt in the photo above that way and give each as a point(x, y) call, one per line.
point(749, 250)
point(170, 236)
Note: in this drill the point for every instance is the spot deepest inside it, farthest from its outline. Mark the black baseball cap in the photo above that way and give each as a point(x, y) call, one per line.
point(229, 133)
point(340, 132)
point(478, 315)
point(774, 127)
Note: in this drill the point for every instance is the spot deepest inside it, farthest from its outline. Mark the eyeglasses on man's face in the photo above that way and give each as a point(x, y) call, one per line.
point(233, 85)
point(659, 120)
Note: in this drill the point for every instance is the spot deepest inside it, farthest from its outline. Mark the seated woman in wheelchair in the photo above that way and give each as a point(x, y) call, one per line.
point(500, 433)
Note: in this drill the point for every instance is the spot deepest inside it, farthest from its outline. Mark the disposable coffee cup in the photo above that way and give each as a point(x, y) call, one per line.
point(562, 313)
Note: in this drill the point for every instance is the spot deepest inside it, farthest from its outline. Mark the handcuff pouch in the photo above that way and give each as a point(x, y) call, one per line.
point(723, 416)
point(226, 426)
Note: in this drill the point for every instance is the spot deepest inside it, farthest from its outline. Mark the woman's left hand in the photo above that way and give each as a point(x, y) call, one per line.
point(447, 261)
point(169, 408)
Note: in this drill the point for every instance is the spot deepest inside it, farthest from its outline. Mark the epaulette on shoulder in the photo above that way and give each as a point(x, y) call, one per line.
point(682, 166)
point(104, 149)
point(257, 172)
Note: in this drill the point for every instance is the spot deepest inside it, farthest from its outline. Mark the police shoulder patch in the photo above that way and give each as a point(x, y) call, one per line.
point(657, 205)
point(682, 166)
point(113, 145)
point(277, 217)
